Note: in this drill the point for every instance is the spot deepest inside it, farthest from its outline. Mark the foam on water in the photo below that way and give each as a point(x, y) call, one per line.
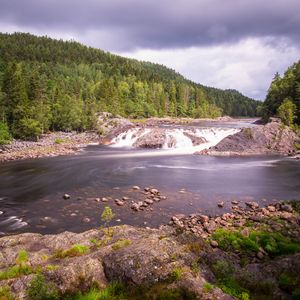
point(183, 145)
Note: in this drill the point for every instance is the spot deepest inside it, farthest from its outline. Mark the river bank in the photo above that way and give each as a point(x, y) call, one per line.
point(257, 257)
point(48, 145)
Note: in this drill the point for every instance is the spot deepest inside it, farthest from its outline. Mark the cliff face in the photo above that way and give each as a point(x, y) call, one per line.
point(273, 138)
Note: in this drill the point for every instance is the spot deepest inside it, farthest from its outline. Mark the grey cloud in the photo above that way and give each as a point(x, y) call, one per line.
point(157, 24)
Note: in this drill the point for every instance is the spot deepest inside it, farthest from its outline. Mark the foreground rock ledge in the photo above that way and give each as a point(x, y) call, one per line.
point(144, 256)
point(132, 255)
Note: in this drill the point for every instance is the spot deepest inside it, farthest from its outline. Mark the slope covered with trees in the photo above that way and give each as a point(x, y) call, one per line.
point(48, 84)
point(283, 98)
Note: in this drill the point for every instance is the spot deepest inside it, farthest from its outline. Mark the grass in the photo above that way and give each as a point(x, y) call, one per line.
point(122, 243)
point(248, 133)
point(274, 243)
point(288, 282)
point(176, 274)
point(40, 289)
point(207, 288)
point(75, 250)
point(5, 293)
point(20, 268)
point(223, 271)
point(59, 141)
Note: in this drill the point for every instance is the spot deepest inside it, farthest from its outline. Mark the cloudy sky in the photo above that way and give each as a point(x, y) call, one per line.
point(223, 43)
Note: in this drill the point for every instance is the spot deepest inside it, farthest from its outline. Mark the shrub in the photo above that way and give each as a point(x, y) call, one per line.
point(208, 287)
point(5, 293)
point(176, 274)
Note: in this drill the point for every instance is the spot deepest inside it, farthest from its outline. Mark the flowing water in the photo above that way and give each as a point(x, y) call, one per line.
point(31, 191)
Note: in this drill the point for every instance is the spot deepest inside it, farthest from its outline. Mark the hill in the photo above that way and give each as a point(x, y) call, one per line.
point(49, 84)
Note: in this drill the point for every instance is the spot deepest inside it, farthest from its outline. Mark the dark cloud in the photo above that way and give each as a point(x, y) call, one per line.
point(128, 24)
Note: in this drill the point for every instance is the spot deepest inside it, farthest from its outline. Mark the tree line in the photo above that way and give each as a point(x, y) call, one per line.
point(48, 84)
point(283, 98)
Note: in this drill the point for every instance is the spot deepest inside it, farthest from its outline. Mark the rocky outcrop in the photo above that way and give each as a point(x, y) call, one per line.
point(154, 139)
point(273, 138)
point(132, 255)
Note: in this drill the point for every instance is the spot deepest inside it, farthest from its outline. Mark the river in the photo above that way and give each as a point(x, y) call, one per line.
point(31, 191)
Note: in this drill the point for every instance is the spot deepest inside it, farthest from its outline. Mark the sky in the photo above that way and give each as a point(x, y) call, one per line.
point(229, 44)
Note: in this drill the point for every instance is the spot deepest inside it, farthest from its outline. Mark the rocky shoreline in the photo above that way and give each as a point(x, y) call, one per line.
point(253, 252)
point(49, 145)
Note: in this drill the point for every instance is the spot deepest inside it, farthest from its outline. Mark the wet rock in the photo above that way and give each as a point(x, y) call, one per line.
point(66, 196)
point(221, 204)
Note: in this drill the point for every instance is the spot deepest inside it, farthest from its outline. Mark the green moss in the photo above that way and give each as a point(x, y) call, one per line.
point(272, 242)
point(76, 250)
point(51, 267)
point(121, 244)
point(39, 289)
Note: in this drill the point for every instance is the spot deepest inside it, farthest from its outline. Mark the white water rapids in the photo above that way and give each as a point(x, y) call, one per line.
point(182, 139)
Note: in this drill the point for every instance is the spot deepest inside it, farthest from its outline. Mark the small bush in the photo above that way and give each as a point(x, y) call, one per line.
point(5, 136)
point(39, 289)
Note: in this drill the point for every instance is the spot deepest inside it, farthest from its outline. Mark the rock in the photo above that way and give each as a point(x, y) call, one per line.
point(154, 191)
point(245, 231)
point(135, 207)
point(252, 205)
point(272, 138)
point(119, 202)
point(271, 208)
point(286, 216)
point(214, 244)
point(136, 188)
point(286, 207)
point(66, 196)
point(162, 197)
point(260, 255)
point(86, 220)
point(149, 201)
point(125, 198)
point(103, 199)
point(221, 204)
point(146, 189)
point(156, 199)
point(203, 218)
point(234, 202)
point(97, 199)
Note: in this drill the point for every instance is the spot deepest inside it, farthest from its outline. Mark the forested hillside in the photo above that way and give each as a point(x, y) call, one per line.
point(48, 84)
point(283, 99)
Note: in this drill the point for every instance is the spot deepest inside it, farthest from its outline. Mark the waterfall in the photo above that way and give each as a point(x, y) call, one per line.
point(176, 140)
